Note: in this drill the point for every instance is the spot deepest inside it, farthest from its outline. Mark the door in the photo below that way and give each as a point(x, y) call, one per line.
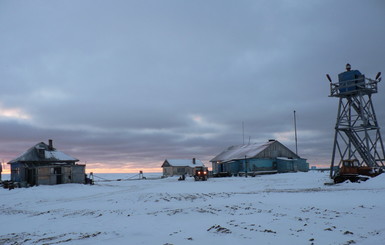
point(31, 176)
point(59, 176)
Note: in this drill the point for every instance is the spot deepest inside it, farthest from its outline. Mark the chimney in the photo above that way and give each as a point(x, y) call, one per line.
point(194, 160)
point(50, 145)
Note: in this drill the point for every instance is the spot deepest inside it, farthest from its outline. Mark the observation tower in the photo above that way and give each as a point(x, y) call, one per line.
point(358, 148)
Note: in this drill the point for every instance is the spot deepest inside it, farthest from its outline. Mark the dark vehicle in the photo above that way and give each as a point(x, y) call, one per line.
point(201, 173)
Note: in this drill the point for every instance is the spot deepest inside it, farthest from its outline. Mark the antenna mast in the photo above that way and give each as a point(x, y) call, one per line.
point(295, 132)
point(243, 132)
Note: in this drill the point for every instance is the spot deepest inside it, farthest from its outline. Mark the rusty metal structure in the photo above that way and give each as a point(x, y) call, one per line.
point(357, 133)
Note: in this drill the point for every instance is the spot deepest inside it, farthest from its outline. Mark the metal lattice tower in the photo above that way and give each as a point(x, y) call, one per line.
point(357, 134)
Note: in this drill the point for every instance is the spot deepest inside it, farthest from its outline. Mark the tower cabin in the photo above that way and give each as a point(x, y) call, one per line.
point(351, 83)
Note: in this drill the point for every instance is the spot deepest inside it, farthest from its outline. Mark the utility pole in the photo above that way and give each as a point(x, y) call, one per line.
point(1, 169)
point(245, 167)
point(243, 132)
point(295, 132)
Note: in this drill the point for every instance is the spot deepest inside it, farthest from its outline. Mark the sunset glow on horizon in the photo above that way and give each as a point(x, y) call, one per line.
point(117, 170)
point(103, 169)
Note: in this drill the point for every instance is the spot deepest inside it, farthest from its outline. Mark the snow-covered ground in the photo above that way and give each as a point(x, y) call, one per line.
point(293, 208)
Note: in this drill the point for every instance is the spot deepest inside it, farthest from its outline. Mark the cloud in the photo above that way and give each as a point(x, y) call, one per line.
point(13, 113)
point(128, 83)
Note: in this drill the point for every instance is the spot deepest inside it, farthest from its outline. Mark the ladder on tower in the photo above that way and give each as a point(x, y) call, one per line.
point(361, 149)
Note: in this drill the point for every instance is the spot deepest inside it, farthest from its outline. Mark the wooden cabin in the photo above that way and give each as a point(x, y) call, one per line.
point(42, 164)
point(173, 167)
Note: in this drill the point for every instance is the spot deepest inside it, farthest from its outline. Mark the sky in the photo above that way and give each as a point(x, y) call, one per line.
point(123, 85)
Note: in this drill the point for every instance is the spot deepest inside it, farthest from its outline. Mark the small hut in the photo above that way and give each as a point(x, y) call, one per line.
point(42, 164)
point(173, 167)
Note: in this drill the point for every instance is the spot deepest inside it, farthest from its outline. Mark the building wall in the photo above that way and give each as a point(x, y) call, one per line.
point(171, 171)
point(48, 175)
point(288, 165)
point(252, 165)
point(167, 171)
point(17, 172)
point(276, 150)
point(303, 166)
point(52, 175)
point(215, 167)
point(292, 165)
point(261, 164)
point(78, 173)
point(229, 167)
point(44, 176)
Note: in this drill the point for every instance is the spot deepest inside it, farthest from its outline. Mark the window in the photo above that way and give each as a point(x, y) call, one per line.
point(181, 170)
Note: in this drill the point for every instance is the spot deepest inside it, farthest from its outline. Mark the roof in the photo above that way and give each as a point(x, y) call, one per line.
point(237, 152)
point(51, 155)
point(248, 151)
point(182, 163)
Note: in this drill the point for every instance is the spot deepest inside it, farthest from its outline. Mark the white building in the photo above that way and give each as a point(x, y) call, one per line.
point(173, 167)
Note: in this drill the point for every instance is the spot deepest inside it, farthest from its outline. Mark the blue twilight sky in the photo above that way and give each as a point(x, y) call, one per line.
point(126, 84)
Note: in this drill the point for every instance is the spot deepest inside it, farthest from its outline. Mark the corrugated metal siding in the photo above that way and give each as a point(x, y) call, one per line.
point(286, 165)
point(292, 165)
point(303, 166)
point(282, 165)
point(253, 165)
point(234, 167)
point(231, 167)
point(259, 164)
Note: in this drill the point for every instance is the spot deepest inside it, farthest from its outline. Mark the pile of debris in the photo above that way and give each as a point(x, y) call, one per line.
point(7, 184)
